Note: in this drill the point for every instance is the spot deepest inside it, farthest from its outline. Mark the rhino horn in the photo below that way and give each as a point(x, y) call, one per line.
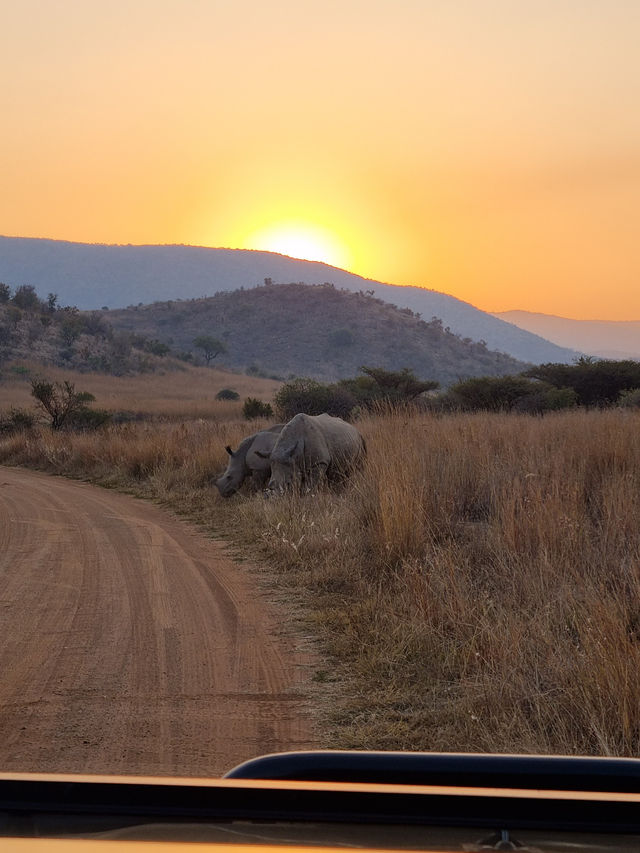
point(229, 450)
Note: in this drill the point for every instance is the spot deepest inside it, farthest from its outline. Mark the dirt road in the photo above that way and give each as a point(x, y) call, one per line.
point(129, 643)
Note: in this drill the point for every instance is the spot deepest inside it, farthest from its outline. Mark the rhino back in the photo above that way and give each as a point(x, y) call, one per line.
point(263, 442)
point(324, 439)
point(344, 442)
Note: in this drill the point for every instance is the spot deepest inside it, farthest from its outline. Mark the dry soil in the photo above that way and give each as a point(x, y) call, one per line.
point(131, 643)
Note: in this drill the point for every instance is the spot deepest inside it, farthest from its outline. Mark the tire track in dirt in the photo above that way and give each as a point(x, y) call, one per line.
point(130, 643)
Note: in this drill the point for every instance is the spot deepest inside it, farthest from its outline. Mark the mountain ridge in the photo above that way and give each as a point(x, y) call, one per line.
point(319, 331)
point(94, 275)
point(615, 339)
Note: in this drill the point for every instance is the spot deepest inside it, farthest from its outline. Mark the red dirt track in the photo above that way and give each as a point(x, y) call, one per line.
point(129, 643)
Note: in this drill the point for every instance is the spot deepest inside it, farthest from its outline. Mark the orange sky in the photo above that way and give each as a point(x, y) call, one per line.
point(485, 148)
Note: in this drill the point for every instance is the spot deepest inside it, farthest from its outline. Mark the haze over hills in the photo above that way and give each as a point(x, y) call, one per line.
point(95, 275)
point(604, 338)
point(319, 331)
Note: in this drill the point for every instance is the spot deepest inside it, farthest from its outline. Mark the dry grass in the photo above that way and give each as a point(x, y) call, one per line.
point(176, 395)
point(477, 585)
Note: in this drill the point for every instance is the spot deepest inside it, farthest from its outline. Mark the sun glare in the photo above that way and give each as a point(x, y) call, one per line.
point(301, 240)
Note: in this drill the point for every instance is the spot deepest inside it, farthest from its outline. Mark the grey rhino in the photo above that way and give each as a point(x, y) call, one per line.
point(246, 461)
point(313, 447)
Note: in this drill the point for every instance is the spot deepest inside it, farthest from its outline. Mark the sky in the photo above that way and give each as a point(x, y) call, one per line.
point(489, 149)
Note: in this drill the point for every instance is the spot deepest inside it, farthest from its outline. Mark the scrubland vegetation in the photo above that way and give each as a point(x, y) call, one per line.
point(184, 395)
point(476, 586)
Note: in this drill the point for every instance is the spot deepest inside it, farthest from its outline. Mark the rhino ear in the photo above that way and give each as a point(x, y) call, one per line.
point(262, 454)
point(290, 452)
point(229, 450)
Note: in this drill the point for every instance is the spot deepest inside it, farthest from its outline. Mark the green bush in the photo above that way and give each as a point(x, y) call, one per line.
point(254, 408)
point(596, 382)
point(386, 386)
point(505, 394)
point(313, 398)
point(227, 394)
point(85, 419)
point(630, 399)
point(546, 400)
point(492, 393)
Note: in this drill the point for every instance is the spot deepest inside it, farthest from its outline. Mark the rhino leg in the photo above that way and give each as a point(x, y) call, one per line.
point(260, 478)
point(316, 475)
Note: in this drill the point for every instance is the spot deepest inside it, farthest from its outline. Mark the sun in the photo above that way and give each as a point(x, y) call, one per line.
point(306, 241)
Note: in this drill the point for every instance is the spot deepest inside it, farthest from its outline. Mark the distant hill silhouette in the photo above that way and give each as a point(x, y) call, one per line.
point(95, 275)
point(607, 339)
point(318, 331)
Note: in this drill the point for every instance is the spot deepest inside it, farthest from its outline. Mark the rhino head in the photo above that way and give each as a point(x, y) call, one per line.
point(286, 466)
point(229, 483)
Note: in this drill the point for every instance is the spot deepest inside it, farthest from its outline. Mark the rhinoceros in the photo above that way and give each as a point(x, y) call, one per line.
point(245, 461)
point(311, 448)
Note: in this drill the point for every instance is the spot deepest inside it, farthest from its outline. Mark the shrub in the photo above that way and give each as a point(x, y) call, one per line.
point(597, 383)
point(59, 400)
point(254, 408)
point(493, 393)
point(313, 398)
point(630, 399)
point(227, 394)
point(386, 386)
point(156, 347)
point(546, 400)
point(17, 420)
point(26, 298)
point(256, 370)
point(86, 419)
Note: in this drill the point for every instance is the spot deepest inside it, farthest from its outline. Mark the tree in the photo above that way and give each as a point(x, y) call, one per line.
point(59, 400)
point(386, 386)
point(227, 394)
point(71, 326)
point(399, 386)
point(5, 293)
point(596, 382)
point(211, 347)
point(507, 393)
point(156, 347)
point(26, 298)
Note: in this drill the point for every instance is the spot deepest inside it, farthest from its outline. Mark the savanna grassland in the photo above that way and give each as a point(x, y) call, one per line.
point(475, 587)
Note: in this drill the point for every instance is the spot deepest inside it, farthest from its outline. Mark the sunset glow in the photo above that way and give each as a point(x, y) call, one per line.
point(299, 240)
point(486, 149)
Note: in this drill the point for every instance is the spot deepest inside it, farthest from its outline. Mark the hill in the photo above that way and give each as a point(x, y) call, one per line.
point(318, 331)
point(607, 339)
point(94, 276)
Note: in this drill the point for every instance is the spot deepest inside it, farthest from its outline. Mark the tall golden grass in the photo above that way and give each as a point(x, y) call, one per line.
point(172, 395)
point(476, 585)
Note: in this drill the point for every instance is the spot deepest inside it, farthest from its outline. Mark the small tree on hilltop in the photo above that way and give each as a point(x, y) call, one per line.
point(59, 400)
point(26, 298)
point(211, 347)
